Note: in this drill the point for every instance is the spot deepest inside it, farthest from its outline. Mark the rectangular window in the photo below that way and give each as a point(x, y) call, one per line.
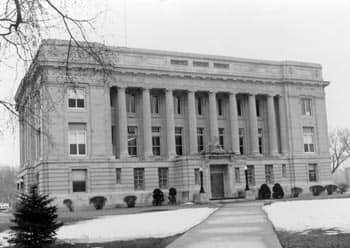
point(313, 173)
point(221, 65)
point(260, 140)
point(77, 139)
point(200, 64)
point(308, 137)
point(269, 178)
point(258, 112)
point(221, 137)
point(178, 107)
point(155, 104)
point(284, 170)
point(306, 106)
point(76, 98)
point(131, 103)
point(178, 140)
point(79, 178)
point(251, 175)
point(118, 175)
point(178, 62)
point(241, 140)
point(219, 106)
point(163, 177)
point(197, 179)
point(156, 141)
point(239, 107)
point(199, 101)
point(139, 178)
point(132, 140)
point(200, 139)
point(237, 175)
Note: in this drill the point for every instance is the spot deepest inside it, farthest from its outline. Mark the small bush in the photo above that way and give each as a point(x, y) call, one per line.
point(172, 196)
point(277, 191)
point(158, 197)
point(296, 191)
point(264, 192)
point(343, 188)
point(316, 189)
point(331, 188)
point(130, 200)
point(69, 204)
point(98, 202)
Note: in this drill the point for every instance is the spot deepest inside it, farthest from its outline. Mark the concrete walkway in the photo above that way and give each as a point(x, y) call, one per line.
point(236, 225)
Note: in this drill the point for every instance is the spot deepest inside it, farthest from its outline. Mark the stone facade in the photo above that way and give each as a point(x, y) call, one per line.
point(143, 119)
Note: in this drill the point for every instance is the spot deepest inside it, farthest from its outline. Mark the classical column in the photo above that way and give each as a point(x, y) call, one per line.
point(254, 143)
point(213, 118)
point(170, 122)
point(233, 118)
point(192, 122)
point(108, 121)
point(272, 125)
point(283, 124)
point(122, 124)
point(147, 126)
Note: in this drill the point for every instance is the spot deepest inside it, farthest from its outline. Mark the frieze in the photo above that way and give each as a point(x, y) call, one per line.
point(160, 60)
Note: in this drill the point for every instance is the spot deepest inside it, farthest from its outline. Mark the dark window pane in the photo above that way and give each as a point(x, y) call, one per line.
point(80, 103)
point(71, 103)
point(79, 186)
point(81, 148)
point(312, 148)
point(73, 149)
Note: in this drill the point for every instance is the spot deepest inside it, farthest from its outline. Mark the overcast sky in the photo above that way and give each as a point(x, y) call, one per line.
point(305, 30)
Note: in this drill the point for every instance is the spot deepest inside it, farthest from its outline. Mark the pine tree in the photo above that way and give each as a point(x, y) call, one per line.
point(35, 221)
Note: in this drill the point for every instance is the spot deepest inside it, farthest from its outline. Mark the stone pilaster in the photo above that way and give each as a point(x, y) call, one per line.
point(122, 124)
point(233, 118)
point(192, 122)
point(170, 123)
point(283, 124)
point(147, 126)
point(213, 118)
point(254, 144)
point(272, 125)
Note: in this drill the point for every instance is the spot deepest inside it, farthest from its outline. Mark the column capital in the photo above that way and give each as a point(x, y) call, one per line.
point(191, 90)
point(212, 92)
point(145, 88)
point(233, 93)
point(121, 87)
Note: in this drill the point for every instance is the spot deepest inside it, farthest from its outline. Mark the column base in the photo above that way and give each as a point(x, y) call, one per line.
point(123, 156)
point(203, 198)
point(249, 195)
point(147, 156)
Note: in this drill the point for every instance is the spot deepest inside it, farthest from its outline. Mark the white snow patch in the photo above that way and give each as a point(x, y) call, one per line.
point(301, 216)
point(3, 238)
point(131, 226)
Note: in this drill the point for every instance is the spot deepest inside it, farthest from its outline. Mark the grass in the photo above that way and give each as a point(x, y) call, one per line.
point(316, 238)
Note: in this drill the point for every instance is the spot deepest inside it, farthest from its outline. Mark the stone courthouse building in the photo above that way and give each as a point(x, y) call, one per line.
point(124, 121)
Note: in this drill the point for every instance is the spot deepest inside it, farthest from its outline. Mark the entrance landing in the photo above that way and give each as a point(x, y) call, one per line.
point(236, 225)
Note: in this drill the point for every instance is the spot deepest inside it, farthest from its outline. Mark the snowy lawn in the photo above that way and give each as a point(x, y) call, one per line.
point(130, 227)
point(331, 215)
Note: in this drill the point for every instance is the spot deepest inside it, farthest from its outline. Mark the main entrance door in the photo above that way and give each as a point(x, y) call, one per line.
point(217, 184)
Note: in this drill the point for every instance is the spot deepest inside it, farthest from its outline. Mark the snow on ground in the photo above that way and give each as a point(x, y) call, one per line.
point(301, 216)
point(131, 226)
